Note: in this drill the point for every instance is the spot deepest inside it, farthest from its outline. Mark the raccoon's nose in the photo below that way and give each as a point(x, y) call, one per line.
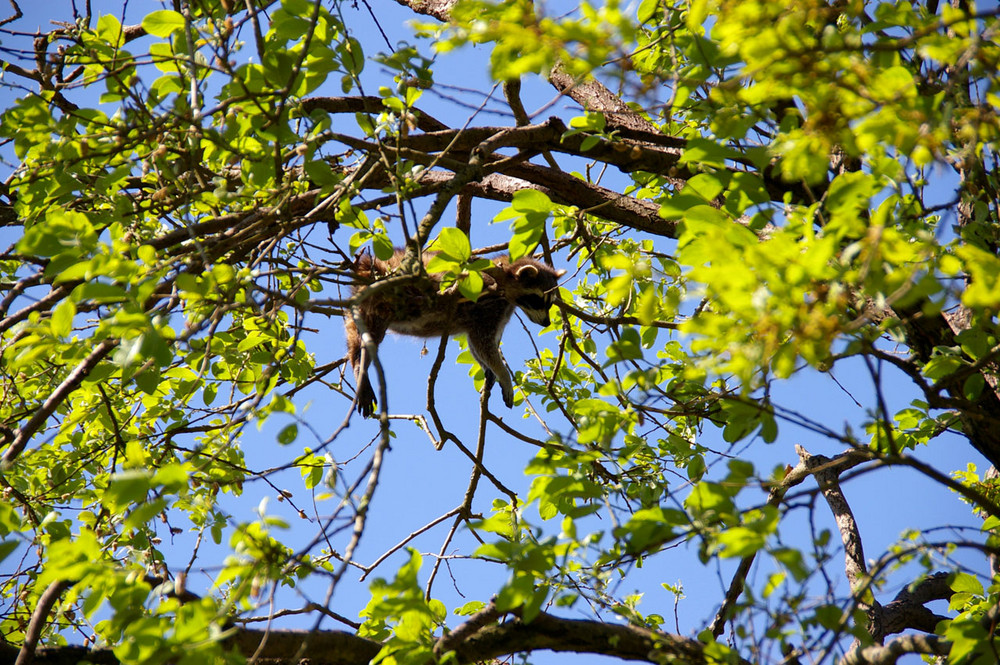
point(539, 316)
point(536, 307)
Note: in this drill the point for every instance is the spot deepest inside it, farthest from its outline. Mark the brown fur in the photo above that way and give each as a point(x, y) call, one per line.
point(419, 308)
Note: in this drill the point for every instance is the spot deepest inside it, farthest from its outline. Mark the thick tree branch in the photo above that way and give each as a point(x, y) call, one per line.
point(981, 416)
point(593, 95)
point(439, 9)
point(891, 652)
point(855, 567)
point(46, 602)
point(494, 640)
point(907, 611)
point(646, 153)
point(793, 476)
point(579, 636)
point(562, 188)
point(828, 477)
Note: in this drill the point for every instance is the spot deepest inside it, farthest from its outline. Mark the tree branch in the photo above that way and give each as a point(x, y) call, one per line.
point(793, 476)
point(367, 104)
point(46, 601)
point(891, 652)
point(580, 636)
point(855, 568)
point(907, 611)
point(545, 632)
point(69, 384)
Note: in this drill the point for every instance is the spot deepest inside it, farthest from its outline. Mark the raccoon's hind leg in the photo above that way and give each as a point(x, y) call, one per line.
point(360, 361)
point(487, 354)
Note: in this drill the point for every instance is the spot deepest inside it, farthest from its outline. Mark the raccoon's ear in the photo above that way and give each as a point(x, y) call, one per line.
point(560, 272)
point(526, 271)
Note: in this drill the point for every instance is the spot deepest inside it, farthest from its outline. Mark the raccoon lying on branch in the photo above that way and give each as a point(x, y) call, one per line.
point(421, 309)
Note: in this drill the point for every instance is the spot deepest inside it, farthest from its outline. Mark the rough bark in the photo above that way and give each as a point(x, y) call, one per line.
point(980, 417)
point(494, 640)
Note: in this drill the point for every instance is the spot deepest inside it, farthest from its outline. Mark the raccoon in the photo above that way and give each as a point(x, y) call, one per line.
point(421, 309)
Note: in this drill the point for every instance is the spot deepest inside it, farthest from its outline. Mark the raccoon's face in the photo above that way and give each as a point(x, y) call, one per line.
point(533, 288)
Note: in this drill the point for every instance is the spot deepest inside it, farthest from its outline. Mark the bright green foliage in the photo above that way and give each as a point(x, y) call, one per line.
point(526, 43)
point(453, 259)
point(763, 210)
point(400, 617)
point(530, 210)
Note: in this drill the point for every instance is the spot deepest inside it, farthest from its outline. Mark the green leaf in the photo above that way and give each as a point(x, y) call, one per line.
point(710, 500)
point(830, 617)
point(10, 519)
point(288, 434)
point(7, 548)
point(471, 286)
point(590, 122)
point(706, 185)
point(351, 56)
point(62, 318)
point(647, 10)
point(941, 366)
point(967, 637)
point(382, 246)
point(127, 488)
point(966, 583)
point(441, 263)
point(99, 292)
point(740, 542)
point(144, 512)
point(59, 232)
point(794, 562)
point(109, 28)
point(172, 477)
point(704, 152)
point(627, 347)
point(531, 200)
point(453, 244)
point(674, 207)
point(697, 13)
point(528, 230)
point(470, 608)
point(163, 22)
point(146, 254)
